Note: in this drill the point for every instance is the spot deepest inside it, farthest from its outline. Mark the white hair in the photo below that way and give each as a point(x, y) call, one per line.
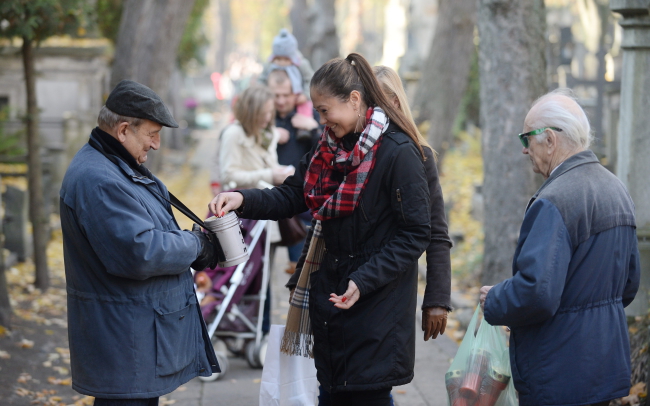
point(108, 119)
point(552, 112)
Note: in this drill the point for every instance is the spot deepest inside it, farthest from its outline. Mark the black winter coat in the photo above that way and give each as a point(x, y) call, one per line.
point(371, 345)
point(438, 288)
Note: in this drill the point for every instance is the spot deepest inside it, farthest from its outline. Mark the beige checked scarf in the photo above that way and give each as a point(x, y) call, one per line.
point(298, 338)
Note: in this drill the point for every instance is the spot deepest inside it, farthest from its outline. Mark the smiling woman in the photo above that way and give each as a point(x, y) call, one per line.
point(366, 188)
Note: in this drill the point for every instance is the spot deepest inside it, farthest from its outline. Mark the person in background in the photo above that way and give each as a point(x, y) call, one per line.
point(247, 156)
point(575, 268)
point(135, 329)
point(288, 123)
point(366, 185)
point(288, 58)
point(437, 294)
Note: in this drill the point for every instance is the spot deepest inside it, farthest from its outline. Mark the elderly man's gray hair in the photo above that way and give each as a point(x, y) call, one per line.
point(108, 119)
point(552, 112)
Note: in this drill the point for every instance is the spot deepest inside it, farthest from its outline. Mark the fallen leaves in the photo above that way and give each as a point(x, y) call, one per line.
point(4, 355)
point(56, 381)
point(26, 344)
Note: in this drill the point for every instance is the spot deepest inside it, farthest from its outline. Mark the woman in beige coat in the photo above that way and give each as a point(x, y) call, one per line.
point(247, 151)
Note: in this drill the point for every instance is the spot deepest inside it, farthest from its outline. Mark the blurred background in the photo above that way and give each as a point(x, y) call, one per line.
point(471, 69)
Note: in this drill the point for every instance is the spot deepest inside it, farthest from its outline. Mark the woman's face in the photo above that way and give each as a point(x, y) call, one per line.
point(341, 117)
point(266, 115)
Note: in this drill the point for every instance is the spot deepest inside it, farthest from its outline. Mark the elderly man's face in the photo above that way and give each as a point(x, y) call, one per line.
point(285, 99)
point(140, 140)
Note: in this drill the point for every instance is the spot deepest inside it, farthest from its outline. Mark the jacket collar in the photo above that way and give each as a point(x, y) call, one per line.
point(579, 159)
point(116, 153)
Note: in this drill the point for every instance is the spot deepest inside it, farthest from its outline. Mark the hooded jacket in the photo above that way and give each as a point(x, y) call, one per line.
point(371, 345)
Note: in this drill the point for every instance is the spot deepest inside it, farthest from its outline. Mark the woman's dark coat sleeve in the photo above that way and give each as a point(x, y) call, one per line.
point(438, 289)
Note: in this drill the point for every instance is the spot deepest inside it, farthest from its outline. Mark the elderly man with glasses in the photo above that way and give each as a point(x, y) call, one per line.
point(575, 268)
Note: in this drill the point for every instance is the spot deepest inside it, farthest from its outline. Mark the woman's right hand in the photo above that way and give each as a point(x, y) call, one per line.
point(225, 202)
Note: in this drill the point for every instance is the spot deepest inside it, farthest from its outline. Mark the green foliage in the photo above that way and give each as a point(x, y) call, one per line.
point(194, 38)
point(11, 143)
point(109, 14)
point(37, 20)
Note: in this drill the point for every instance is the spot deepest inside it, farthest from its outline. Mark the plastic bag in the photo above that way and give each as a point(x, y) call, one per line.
point(480, 373)
point(287, 380)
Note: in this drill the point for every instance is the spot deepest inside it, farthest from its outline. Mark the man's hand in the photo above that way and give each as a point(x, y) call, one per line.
point(284, 135)
point(434, 322)
point(484, 292)
point(303, 122)
point(207, 255)
point(225, 202)
point(348, 299)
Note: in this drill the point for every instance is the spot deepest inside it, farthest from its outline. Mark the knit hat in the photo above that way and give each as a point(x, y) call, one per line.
point(285, 44)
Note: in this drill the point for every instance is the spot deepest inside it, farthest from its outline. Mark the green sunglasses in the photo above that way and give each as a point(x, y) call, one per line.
point(523, 137)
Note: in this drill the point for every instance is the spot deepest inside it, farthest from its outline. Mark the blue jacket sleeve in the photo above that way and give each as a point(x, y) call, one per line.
point(410, 206)
point(541, 264)
point(126, 240)
point(633, 275)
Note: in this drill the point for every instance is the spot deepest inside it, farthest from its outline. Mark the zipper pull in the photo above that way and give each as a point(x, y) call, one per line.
point(399, 196)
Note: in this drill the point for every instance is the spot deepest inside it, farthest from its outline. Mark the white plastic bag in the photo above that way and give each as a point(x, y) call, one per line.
point(287, 380)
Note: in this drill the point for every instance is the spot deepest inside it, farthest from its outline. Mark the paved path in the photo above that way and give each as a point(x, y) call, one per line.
point(241, 385)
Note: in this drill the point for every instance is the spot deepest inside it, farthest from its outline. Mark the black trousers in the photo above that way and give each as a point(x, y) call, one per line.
point(126, 402)
point(362, 398)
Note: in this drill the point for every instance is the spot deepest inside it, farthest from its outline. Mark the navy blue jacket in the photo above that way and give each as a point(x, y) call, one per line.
point(575, 268)
point(134, 326)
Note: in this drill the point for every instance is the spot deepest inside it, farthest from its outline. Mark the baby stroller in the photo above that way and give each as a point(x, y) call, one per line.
point(232, 301)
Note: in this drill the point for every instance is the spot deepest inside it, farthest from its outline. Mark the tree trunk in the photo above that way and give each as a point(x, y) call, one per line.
point(40, 231)
point(5, 304)
point(512, 71)
point(445, 74)
point(299, 16)
point(147, 45)
point(323, 40)
point(225, 35)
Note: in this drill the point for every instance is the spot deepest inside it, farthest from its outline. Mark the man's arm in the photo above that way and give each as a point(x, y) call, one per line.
point(533, 294)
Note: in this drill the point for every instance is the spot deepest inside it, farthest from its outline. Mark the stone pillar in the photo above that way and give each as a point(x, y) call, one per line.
point(633, 162)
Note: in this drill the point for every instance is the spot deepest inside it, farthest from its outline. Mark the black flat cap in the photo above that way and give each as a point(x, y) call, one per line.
point(132, 99)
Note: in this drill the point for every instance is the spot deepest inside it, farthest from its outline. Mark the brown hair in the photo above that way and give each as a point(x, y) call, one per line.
point(339, 77)
point(391, 84)
point(249, 106)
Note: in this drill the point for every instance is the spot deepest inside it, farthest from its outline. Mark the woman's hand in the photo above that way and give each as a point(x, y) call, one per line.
point(348, 299)
point(225, 202)
point(434, 322)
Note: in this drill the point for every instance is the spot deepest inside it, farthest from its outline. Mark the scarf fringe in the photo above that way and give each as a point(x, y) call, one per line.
point(295, 343)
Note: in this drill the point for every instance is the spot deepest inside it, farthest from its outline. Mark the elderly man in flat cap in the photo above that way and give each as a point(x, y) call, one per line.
point(134, 326)
point(575, 268)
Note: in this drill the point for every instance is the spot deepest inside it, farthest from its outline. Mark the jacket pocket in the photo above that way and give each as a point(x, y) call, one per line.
point(176, 338)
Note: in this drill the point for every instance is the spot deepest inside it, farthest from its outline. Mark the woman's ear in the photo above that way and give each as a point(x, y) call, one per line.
point(355, 98)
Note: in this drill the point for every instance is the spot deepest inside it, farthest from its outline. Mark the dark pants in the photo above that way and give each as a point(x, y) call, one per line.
point(126, 402)
point(380, 397)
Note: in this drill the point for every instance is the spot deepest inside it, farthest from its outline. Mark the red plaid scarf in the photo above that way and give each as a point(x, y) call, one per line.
point(328, 198)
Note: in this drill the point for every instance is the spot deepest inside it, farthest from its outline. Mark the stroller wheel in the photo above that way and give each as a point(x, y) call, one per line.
point(255, 354)
point(222, 359)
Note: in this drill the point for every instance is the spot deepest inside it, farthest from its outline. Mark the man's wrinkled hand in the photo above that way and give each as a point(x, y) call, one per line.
point(348, 299)
point(434, 322)
point(484, 292)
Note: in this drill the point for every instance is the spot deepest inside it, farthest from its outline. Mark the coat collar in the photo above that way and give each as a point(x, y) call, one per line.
point(139, 176)
point(579, 159)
